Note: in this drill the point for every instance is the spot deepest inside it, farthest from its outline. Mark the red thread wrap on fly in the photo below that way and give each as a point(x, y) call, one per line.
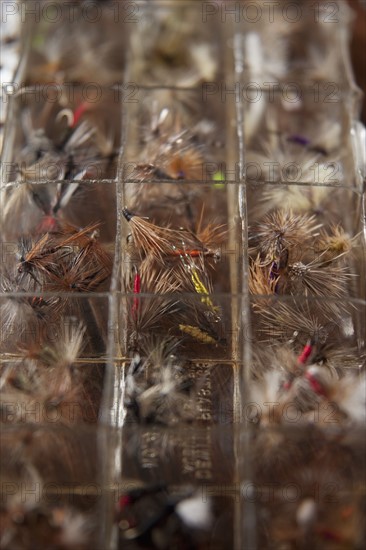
point(136, 290)
point(305, 354)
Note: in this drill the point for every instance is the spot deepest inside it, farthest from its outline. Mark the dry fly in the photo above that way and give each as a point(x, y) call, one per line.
point(295, 322)
point(195, 278)
point(172, 162)
point(67, 259)
point(163, 242)
point(157, 388)
point(260, 280)
point(152, 239)
point(280, 233)
point(334, 244)
point(69, 345)
point(66, 160)
point(20, 312)
point(80, 273)
point(165, 401)
point(317, 278)
point(38, 257)
point(172, 151)
point(298, 198)
point(154, 301)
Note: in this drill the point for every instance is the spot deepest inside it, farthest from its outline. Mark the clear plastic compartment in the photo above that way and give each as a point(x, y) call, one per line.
point(51, 484)
point(176, 44)
point(76, 42)
point(181, 135)
point(299, 137)
point(63, 133)
point(276, 46)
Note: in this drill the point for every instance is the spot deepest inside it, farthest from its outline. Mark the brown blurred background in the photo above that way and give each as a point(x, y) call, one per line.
point(358, 47)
